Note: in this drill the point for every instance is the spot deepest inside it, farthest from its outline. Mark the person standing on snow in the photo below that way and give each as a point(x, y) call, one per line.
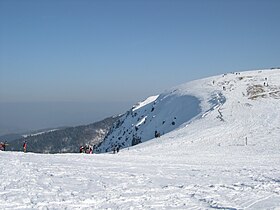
point(81, 149)
point(24, 146)
point(4, 145)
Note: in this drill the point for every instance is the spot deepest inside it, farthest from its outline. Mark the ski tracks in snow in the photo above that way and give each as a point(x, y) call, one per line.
point(136, 181)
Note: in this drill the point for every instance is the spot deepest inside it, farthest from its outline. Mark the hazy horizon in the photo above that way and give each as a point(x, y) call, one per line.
point(72, 62)
point(31, 116)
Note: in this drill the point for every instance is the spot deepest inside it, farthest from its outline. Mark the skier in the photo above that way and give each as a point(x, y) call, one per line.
point(81, 149)
point(87, 149)
point(4, 145)
point(157, 134)
point(118, 149)
point(24, 146)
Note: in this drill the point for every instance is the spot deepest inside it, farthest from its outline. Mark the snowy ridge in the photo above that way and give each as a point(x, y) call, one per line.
point(145, 102)
point(222, 153)
point(39, 133)
point(163, 113)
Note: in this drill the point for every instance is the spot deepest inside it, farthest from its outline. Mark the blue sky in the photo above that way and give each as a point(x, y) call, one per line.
point(119, 52)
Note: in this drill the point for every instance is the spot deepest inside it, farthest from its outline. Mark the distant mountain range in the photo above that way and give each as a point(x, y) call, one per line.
point(61, 140)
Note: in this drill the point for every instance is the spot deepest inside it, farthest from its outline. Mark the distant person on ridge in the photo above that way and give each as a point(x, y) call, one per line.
point(24, 146)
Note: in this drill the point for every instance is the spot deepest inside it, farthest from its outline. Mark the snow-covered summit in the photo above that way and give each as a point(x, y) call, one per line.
point(238, 102)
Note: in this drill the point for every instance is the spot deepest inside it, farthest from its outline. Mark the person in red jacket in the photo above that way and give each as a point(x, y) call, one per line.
point(24, 146)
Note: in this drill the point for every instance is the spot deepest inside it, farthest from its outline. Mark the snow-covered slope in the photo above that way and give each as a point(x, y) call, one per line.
point(223, 152)
point(165, 113)
point(227, 98)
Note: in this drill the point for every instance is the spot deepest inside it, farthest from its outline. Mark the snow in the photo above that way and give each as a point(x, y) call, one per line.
point(141, 121)
point(145, 102)
point(39, 133)
point(225, 155)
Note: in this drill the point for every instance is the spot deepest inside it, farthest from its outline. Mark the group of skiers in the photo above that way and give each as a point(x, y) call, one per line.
point(116, 149)
point(3, 146)
point(157, 134)
point(88, 149)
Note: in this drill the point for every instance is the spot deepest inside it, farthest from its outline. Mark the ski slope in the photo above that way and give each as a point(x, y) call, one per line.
point(225, 155)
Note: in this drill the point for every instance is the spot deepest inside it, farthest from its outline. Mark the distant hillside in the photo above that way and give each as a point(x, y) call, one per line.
point(65, 140)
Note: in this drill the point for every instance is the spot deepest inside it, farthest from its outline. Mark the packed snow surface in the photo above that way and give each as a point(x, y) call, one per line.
point(226, 156)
